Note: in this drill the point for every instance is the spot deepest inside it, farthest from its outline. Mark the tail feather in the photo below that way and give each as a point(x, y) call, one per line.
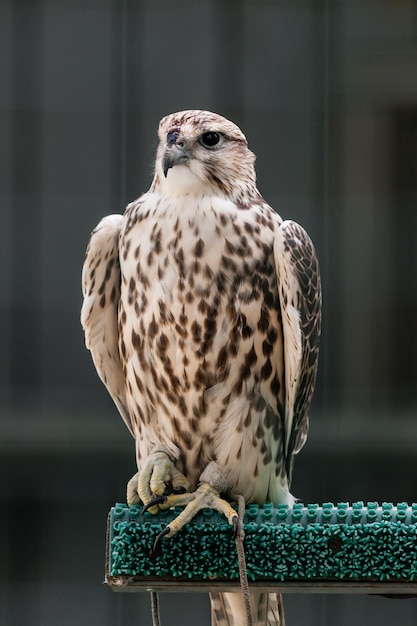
point(228, 609)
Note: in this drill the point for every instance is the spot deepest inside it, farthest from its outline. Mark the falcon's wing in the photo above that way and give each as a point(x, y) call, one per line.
point(101, 291)
point(299, 289)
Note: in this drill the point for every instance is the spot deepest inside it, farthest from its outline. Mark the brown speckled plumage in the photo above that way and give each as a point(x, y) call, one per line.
point(202, 313)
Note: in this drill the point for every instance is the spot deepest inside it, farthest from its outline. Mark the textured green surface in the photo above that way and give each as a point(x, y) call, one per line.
point(312, 542)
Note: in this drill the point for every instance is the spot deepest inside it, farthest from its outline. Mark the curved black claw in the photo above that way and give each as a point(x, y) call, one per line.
point(169, 490)
point(155, 500)
point(156, 549)
point(236, 528)
point(176, 490)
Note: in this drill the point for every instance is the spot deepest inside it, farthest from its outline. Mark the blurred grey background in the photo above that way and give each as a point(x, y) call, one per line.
point(326, 92)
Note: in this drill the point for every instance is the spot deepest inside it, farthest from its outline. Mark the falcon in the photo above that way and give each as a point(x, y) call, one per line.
point(202, 312)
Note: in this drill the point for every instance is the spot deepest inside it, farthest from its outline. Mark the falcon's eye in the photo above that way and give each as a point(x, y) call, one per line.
point(210, 139)
point(172, 136)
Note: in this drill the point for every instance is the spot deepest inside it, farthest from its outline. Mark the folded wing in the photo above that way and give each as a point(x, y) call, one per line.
point(99, 313)
point(299, 288)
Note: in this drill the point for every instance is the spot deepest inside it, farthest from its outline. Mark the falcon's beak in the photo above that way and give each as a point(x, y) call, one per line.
point(175, 154)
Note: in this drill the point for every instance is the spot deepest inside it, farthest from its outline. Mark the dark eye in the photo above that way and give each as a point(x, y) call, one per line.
point(210, 139)
point(172, 136)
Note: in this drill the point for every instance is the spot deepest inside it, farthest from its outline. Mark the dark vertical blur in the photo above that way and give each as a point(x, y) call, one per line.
point(26, 182)
point(326, 93)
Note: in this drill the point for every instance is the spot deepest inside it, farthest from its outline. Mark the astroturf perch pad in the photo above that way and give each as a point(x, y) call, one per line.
point(342, 548)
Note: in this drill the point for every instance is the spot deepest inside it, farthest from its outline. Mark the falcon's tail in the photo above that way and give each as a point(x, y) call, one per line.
point(228, 609)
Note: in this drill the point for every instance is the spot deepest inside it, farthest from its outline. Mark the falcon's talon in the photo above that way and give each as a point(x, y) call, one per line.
point(157, 479)
point(156, 549)
point(156, 500)
point(171, 490)
point(177, 491)
point(206, 496)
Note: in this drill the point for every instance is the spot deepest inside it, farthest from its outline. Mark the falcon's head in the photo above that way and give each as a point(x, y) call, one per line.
point(201, 152)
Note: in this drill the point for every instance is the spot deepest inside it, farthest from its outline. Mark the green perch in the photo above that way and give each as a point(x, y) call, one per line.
point(305, 544)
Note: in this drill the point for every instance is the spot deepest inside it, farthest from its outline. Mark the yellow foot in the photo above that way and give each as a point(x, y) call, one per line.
point(157, 479)
point(207, 496)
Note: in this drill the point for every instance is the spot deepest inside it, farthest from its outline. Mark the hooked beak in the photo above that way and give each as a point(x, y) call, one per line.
point(174, 154)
